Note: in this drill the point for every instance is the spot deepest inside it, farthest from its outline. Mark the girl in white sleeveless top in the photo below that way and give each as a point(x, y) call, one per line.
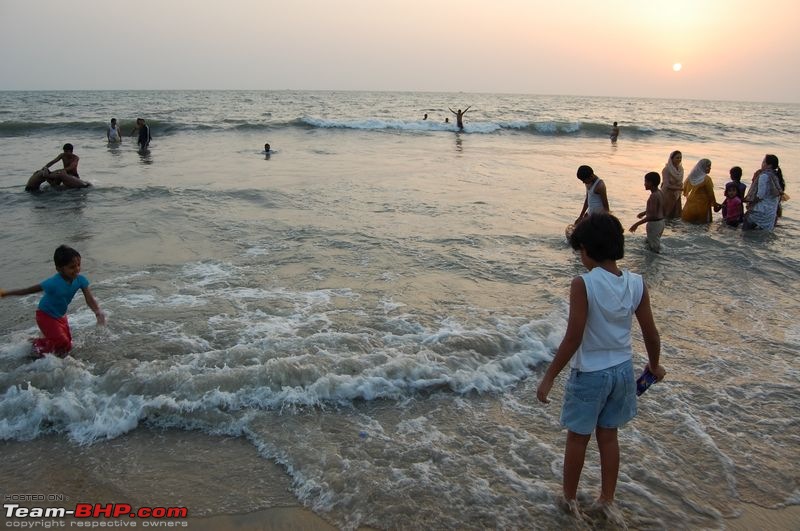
point(601, 392)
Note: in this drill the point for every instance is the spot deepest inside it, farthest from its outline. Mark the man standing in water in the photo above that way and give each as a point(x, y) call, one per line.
point(614, 133)
point(460, 116)
point(144, 133)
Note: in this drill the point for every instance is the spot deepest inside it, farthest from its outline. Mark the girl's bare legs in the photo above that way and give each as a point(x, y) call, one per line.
point(609, 462)
point(574, 455)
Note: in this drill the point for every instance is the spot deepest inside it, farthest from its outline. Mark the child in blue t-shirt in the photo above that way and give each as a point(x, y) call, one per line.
point(58, 293)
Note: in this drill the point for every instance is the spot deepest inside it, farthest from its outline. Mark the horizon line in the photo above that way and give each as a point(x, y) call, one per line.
point(396, 91)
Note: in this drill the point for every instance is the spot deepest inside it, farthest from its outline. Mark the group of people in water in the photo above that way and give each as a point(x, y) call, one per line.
point(68, 176)
point(459, 114)
point(756, 208)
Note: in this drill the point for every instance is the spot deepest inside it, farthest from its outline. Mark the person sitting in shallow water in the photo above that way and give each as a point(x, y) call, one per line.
point(67, 177)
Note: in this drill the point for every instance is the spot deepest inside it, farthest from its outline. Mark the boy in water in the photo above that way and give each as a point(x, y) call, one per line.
point(460, 116)
point(114, 134)
point(736, 178)
point(601, 392)
point(144, 133)
point(596, 195)
point(58, 293)
point(68, 176)
point(653, 214)
point(614, 133)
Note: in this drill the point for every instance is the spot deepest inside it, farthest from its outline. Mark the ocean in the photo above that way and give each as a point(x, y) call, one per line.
point(357, 323)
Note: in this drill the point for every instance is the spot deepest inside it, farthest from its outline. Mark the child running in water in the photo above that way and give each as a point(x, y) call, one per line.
point(58, 293)
point(600, 395)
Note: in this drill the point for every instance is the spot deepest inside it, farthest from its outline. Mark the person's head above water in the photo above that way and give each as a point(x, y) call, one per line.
point(585, 173)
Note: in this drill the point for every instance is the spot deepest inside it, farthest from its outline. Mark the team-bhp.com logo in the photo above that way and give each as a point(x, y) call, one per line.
point(96, 511)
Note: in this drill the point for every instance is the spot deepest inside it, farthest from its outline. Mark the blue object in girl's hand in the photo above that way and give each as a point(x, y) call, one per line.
point(644, 381)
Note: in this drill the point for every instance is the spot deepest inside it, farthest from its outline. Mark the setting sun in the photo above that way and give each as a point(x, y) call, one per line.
point(677, 67)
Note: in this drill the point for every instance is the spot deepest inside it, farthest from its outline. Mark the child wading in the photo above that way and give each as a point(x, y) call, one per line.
point(653, 214)
point(58, 293)
point(600, 395)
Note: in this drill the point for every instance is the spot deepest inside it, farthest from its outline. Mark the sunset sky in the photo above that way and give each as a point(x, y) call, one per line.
point(728, 49)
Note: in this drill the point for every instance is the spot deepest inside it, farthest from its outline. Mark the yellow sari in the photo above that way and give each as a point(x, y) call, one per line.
point(699, 201)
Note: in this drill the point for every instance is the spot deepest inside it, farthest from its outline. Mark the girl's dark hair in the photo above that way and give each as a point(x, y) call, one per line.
point(601, 235)
point(64, 255)
point(772, 160)
point(736, 173)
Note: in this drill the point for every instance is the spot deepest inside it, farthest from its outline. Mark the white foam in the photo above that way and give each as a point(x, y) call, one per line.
point(388, 305)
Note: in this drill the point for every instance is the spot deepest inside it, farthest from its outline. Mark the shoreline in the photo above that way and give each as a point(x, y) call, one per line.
point(56, 460)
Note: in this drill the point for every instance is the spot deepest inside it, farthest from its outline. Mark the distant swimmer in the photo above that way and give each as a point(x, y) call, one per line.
point(460, 116)
point(144, 133)
point(447, 120)
point(267, 151)
point(113, 133)
point(614, 133)
point(67, 177)
point(425, 117)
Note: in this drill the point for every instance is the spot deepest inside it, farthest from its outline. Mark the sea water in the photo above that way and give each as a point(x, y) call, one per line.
point(371, 306)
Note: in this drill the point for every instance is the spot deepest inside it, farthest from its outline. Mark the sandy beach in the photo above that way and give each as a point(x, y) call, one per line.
point(78, 473)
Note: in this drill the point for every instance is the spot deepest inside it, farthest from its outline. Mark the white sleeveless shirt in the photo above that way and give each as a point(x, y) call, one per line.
point(613, 301)
point(593, 201)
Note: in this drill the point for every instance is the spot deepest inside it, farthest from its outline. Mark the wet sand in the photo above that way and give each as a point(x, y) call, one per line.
point(147, 468)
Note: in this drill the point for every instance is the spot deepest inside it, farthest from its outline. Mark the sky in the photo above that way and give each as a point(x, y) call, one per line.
point(747, 50)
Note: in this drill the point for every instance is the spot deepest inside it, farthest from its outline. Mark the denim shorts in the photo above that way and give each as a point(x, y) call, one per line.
point(605, 399)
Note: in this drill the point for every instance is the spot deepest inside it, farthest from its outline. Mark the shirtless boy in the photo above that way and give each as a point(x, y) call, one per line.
point(653, 214)
point(460, 116)
point(67, 176)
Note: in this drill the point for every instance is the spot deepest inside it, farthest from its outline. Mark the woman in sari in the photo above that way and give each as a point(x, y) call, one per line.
point(764, 196)
point(699, 192)
point(672, 185)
